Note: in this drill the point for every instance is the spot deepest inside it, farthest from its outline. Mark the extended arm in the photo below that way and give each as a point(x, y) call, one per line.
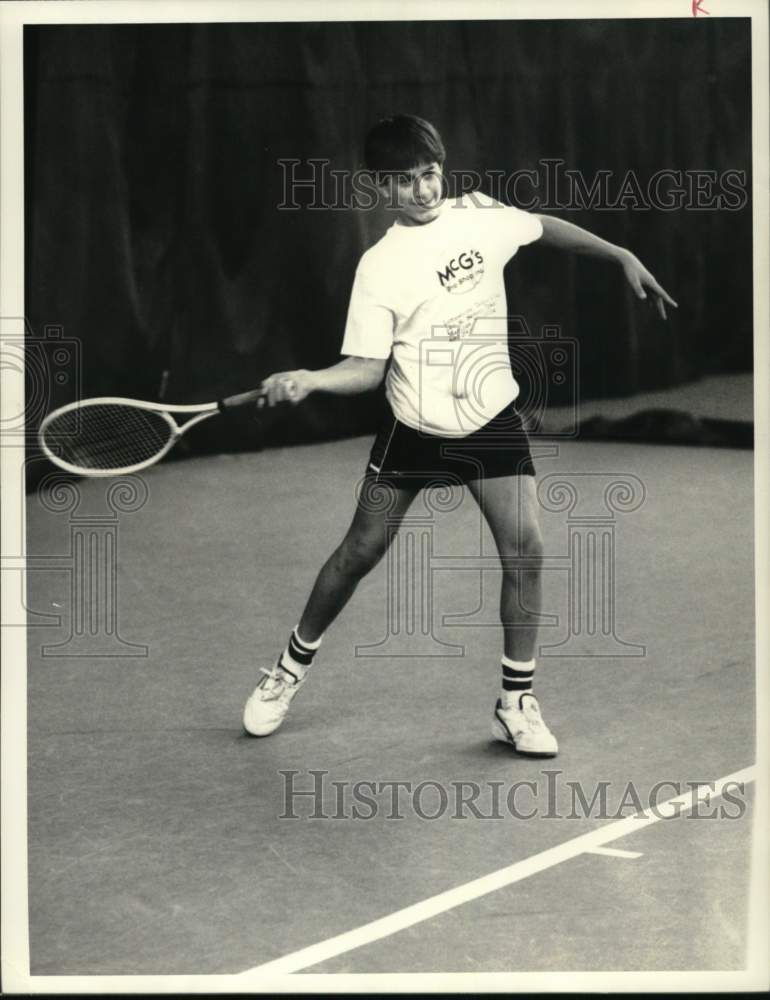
point(347, 378)
point(566, 236)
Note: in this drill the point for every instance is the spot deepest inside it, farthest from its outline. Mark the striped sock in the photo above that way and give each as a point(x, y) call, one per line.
point(517, 678)
point(298, 655)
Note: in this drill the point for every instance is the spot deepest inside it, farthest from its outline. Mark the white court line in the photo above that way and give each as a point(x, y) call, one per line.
point(613, 852)
point(431, 907)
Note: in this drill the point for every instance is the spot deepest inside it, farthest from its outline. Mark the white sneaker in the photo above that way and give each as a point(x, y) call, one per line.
point(267, 707)
point(523, 728)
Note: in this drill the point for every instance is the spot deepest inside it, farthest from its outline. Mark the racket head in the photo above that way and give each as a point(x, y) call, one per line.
point(107, 436)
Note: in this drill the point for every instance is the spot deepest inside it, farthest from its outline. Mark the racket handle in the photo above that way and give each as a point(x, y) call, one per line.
point(242, 399)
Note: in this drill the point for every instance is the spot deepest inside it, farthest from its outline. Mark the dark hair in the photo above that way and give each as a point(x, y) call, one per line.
point(397, 144)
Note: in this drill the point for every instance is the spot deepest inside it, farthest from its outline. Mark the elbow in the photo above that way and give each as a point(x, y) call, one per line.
point(375, 371)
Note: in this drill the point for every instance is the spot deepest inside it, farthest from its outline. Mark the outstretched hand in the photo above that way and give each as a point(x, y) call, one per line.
point(641, 281)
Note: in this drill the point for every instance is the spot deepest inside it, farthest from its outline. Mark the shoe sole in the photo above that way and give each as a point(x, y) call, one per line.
point(501, 733)
point(260, 736)
point(257, 736)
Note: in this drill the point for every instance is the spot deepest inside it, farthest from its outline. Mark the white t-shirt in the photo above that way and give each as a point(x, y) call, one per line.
point(433, 296)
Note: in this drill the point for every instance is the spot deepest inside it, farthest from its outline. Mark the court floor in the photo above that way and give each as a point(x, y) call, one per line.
point(162, 840)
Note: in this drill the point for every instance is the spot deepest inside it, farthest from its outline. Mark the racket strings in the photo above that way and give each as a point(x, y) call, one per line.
point(107, 436)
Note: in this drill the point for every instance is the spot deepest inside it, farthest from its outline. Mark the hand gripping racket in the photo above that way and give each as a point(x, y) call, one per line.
point(111, 436)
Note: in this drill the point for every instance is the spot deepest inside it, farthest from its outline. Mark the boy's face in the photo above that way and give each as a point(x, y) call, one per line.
point(417, 196)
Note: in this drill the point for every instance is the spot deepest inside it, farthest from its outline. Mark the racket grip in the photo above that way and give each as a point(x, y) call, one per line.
point(242, 399)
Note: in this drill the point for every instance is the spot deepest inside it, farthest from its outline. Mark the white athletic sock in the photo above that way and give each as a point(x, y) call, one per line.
point(517, 679)
point(298, 655)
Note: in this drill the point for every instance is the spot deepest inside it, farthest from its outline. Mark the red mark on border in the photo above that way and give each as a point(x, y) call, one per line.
point(697, 9)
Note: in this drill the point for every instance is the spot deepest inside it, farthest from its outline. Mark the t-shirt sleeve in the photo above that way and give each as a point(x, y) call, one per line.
point(526, 227)
point(369, 326)
point(513, 227)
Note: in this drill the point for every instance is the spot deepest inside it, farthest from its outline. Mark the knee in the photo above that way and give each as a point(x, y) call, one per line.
point(524, 552)
point(532, 543)
point(356, 555)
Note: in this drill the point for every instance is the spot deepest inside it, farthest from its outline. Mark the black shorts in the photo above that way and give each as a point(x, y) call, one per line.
point(402, 456)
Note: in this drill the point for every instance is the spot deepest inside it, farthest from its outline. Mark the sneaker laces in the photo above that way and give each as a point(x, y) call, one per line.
point(531, 712)
point(273, 684)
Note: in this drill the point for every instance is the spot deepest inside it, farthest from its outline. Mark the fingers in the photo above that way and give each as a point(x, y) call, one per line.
point(661, 296)
point(666, 297)
point(280, 388)
point(658, 302)
point(661, 292)
point(268, 392)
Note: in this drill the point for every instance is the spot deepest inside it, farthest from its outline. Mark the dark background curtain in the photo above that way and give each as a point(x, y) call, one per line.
point(155, 241)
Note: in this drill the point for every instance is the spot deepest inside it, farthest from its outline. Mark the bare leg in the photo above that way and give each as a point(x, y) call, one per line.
point(378, 514)
point(510, 507)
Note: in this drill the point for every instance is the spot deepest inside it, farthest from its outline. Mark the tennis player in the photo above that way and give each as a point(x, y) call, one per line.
point(428, 306)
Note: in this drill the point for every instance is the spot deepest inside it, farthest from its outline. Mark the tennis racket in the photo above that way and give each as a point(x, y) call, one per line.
point(112, 436)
